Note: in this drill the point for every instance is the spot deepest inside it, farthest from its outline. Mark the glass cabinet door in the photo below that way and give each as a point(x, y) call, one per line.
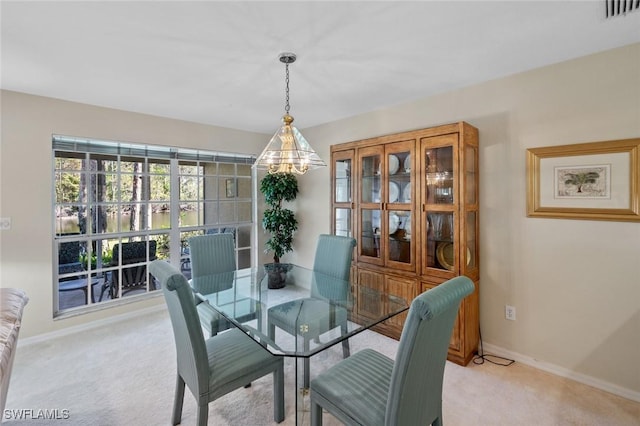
point(370, 231)
point(399, 242)
point(400, 251)
point(399, 177)
point(439, 175)
point(342, 204)
point(342, 222)
point(370, 179)
point(440, 222)
point(441, 247)
point(370, 206)
point(342, 169)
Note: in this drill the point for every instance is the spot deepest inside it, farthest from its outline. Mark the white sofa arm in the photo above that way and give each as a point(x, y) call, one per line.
point(12, 302)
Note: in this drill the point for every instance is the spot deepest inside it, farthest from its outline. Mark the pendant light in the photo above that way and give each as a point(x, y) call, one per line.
point(288, 151)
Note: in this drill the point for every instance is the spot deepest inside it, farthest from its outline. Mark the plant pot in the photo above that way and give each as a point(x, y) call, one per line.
point(276, 274)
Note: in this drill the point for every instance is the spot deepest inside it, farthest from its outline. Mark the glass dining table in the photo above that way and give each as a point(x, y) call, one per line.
point(310, 314)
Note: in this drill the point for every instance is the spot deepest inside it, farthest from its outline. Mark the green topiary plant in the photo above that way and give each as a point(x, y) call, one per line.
point(276, 220)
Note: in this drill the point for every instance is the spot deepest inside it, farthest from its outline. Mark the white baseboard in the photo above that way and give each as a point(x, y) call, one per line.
point(90, 325)
point(563, 372)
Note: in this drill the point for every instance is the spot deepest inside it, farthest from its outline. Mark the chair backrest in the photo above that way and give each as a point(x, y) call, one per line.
point(69, 252)
point(69, 258)
point(133, 252)
point(212, 254)
point(333, 255)
point(415, 393)
point(191, 352)
point(333, 263)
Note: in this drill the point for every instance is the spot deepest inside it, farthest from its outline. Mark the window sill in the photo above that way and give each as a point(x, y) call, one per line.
point(74, 312)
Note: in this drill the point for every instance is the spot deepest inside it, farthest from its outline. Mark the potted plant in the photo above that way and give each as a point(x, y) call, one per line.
point(279, 222)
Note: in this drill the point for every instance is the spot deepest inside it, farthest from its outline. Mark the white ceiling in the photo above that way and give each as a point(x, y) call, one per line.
point(217, 62)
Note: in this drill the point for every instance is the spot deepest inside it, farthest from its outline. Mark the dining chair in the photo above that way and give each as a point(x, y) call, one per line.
point(332, 266)
point(370, 389)
point(218, 365)
point(69, 263)
point(214, 254)
point(69, 259)
point(133, 277)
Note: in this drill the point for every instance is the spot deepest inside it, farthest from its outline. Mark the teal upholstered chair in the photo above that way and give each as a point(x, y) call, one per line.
point(370, 389)
point(215, 254)
point(218, 365)
point(332, 260)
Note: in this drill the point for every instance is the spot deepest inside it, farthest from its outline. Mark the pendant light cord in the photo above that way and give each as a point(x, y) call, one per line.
point(286, 107)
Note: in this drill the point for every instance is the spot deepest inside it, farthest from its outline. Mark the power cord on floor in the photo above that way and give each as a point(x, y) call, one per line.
point(481, 357)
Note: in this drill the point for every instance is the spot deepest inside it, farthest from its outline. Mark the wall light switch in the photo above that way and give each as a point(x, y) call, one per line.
point(5, 223)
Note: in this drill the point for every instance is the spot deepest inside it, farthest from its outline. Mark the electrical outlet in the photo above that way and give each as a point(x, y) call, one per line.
point(5, 223)
point(510, 312)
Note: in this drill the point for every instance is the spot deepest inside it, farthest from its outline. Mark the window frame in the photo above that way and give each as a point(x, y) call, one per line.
point(171, 241)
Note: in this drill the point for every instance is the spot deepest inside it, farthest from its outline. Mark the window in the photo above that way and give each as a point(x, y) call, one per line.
point(118, 206)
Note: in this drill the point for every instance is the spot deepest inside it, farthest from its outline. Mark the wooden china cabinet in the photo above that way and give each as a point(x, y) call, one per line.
point(411, 201)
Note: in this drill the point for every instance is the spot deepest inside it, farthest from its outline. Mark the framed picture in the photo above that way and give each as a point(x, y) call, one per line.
point(597, 180)
point(230, 186)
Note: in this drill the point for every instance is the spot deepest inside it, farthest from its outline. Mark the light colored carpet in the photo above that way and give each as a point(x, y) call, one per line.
point(124, 374)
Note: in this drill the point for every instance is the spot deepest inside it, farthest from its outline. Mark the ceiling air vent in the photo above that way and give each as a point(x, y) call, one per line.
point(621, 7)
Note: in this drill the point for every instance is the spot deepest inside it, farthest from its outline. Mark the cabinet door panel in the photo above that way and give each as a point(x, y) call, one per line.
point(403, 288)
point(368, 305)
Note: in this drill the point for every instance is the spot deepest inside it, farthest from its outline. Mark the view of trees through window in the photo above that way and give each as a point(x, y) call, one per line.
point(119, 206)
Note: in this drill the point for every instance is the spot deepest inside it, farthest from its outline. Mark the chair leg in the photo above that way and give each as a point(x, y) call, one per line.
point(346, 351)
point(307, 367)
point(178, 400)
point(104, 288)
point(316, 414)
point(278, 394)
point(271, 331)
point(203, 414)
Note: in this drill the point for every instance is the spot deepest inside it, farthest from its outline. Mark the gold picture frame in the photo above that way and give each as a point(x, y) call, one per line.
point(594, 181)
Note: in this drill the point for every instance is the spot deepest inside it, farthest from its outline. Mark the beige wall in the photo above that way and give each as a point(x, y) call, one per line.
point(25, 181)
point(575, 283)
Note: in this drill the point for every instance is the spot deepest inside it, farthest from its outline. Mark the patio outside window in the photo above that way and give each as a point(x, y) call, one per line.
point(118, 206)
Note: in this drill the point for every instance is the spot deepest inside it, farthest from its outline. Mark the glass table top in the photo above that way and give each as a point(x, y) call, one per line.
point(312, 312)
